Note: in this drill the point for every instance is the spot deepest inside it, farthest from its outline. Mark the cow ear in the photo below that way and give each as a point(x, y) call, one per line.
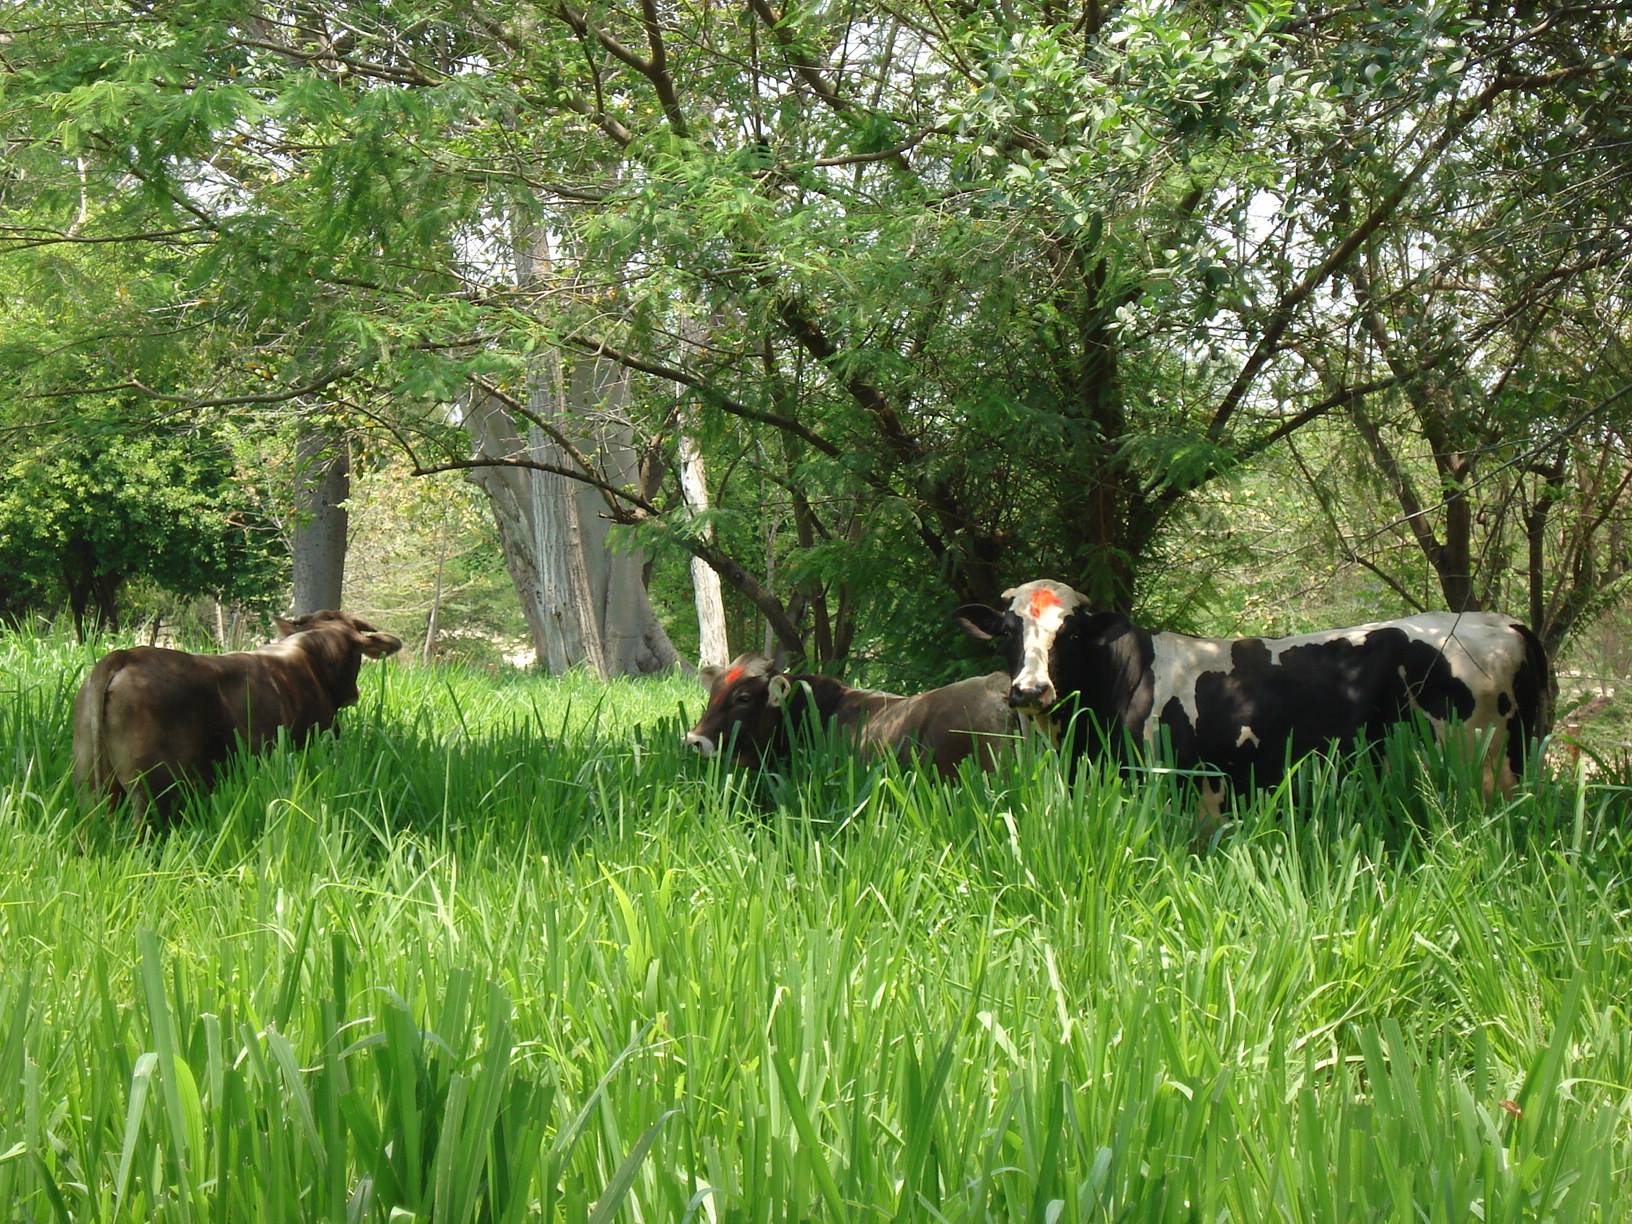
point(777, 689)
point(377, 643)
point(286, 627)
point(979, 621)
point(708, 675)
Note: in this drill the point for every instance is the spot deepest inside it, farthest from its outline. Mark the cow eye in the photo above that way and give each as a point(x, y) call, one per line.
point(742, 695)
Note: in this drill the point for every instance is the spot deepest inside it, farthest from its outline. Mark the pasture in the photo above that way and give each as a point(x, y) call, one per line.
point(504, 950)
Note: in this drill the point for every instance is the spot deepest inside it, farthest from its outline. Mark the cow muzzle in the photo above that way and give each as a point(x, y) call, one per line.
point(1029, 695)
point(703, 745)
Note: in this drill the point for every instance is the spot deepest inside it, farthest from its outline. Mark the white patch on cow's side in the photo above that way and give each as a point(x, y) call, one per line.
point(1042, 607)
point(1247, 736)
point(1177, 661)
point(703, 745)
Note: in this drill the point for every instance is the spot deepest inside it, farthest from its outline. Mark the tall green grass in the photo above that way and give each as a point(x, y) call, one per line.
point(502, 950)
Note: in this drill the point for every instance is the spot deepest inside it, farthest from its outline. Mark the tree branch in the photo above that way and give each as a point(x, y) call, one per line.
point(807, 69)
point(709, 394)
point(555, 435)
point(29, 236)
point(1281, 316)
point(657, 71)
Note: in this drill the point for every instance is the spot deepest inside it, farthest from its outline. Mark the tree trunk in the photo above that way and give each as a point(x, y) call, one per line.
point(712, 647)
point(322, 484)
point(426, 654)
point(585, 604)
point(88, 589)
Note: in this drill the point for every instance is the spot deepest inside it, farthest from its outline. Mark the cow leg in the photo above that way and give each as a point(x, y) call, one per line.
point(1498, 773)
point(1494, 771)
point(140, 801)
point(154, 796)
point(1210, 820)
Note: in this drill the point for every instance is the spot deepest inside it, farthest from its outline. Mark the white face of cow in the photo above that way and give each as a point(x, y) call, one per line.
point(1041, 608)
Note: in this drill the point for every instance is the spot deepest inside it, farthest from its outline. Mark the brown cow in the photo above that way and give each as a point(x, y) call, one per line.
point(944, 725)
point(147, 718)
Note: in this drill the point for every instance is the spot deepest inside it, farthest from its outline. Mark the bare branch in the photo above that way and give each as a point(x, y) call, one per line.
point(28, 236)
point(1281, 316)
point(709, 394)
point(613, 493)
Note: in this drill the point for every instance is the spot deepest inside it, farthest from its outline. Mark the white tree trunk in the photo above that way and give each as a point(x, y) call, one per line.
point(585, 603)
point(322, 484)
point(712, 648)
point(429, 650)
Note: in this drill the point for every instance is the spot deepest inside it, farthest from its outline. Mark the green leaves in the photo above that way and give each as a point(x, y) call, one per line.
point(102, 506)
point(1136, 224)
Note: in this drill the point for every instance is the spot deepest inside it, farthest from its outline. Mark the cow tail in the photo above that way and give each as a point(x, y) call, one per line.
point(1540, 722)
point(101, 769)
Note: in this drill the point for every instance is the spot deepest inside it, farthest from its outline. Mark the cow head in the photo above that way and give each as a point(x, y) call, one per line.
point(745, 699)
point(375, 643)
point(1027, 624)
point(336, 643)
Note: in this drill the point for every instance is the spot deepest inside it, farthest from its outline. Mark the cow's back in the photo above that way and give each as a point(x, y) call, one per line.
point(1246, 705)
point(945, 725)
point(162, 716)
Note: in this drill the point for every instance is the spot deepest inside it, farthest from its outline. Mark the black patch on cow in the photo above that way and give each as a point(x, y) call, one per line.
point(1100, 666)
point(1503, 704)
point(1180, 735)
point(1250, 655)
point(1533, 693)
point(1313, 696)
point(1012, 637)
point(1437, 691)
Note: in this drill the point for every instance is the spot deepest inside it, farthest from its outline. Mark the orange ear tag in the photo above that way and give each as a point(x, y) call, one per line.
point(1042, 599)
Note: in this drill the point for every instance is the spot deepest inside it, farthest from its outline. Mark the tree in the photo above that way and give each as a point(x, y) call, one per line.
point(318, 544)
point(990, 292)
point(1496, 338)
point(714, 650)
point(425, 551)
point(585, 602)
point(84, 513)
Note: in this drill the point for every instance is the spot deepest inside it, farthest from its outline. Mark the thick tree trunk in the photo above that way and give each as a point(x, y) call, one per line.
point(712, 647)
point(585, 604)
point(322, 484)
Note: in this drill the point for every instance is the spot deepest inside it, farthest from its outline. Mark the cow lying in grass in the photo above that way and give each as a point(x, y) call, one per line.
point(148, 718)
point(1239, 708)
point(757, 705)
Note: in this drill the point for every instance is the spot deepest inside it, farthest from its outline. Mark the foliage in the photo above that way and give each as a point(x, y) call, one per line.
point(403, 531)
point(88, 510)
point(953, 295)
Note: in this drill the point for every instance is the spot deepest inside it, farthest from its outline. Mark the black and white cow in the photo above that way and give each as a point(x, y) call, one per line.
point(1242, 706)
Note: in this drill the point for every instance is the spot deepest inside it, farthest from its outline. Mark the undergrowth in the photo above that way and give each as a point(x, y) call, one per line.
point(503, 950)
